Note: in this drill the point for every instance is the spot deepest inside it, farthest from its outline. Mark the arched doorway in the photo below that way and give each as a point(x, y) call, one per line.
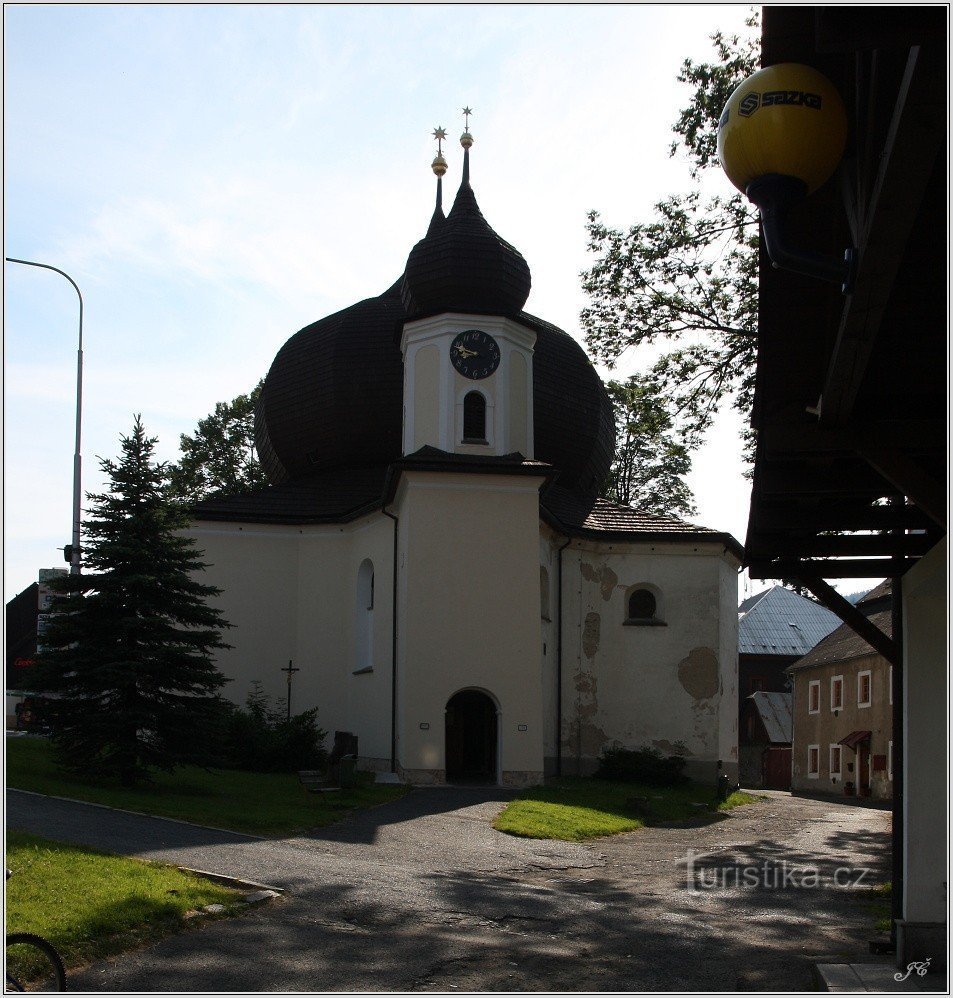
point(471, 738)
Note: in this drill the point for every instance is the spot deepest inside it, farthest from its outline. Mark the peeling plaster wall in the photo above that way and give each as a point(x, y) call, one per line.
point(548, 559)
point(672, 686)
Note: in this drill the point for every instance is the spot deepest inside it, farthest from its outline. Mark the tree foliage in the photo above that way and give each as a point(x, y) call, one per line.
point(686, 279)
point(127, 652)
point(650, 464)
point(220, 457)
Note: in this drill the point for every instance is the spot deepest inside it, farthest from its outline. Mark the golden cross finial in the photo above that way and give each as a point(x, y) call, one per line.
point(466, 118)
point(439, 133)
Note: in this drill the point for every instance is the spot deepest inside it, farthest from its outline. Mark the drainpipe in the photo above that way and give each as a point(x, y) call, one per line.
point(393, 679)
point(559, 656)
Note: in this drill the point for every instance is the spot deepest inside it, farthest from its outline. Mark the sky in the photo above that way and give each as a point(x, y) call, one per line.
point(215, 177)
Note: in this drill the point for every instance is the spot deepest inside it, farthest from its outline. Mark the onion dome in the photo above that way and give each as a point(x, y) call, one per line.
point(464, 266)
point(333, 397)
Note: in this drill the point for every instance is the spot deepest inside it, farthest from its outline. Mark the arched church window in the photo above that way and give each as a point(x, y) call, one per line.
point(543, 593)
point(474, 418)
point(364, 618)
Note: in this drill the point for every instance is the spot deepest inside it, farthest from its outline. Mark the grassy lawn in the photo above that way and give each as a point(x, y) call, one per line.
point(89, 904)
point(575, 808)
point(258, 803)
point(881, 906)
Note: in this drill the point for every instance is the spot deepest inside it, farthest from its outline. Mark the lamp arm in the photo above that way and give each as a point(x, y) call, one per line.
point(774, 194)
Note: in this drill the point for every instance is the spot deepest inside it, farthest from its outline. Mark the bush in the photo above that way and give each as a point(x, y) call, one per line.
point(643, 765)
point(259, 738)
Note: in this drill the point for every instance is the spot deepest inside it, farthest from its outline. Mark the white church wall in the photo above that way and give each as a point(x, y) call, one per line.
point(667, 684)
point(469, 615)
point(256, 568)
point(368, 693)
point(549, 615)
point(291, 593)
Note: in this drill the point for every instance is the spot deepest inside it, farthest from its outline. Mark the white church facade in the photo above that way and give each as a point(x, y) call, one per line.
point(432, 554)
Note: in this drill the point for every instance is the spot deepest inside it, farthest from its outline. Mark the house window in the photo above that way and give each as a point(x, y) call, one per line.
point(837, 693)
point(814, 696)
point(835, 760)
point(813, 761)
point(543, 593)
point(890, 760)
point(863, 688)
point(474, 418)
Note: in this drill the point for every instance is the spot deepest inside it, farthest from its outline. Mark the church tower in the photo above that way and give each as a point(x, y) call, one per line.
point(466, 494)
point(468, 361)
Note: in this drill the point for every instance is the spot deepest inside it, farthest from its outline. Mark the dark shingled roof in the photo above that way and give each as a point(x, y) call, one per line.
point(329, 497)
point(598, 518)
point(462, 265)
point(334, 399)
point(844, 644)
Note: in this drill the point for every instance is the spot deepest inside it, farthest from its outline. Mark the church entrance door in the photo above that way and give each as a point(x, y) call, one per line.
point(471, 738)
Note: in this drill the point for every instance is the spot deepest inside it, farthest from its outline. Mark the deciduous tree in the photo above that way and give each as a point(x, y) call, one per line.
point(685, 279)
point(219, 458)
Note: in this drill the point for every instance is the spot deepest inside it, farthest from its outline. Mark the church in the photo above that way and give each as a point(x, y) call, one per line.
point(432, 557)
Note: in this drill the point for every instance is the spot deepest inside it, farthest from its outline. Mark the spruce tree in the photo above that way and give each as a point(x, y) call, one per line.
point(127, 652)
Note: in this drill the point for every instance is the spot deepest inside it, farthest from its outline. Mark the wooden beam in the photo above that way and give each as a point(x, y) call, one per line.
point(911, 480)
point(912, 435)
point(846, 545)
point(844, 568)
point(793, 515)
point(838, 478)
point(914, 139)
point(852, 617)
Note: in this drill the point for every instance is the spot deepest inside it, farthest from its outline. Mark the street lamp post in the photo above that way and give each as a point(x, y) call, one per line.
point(75, 559)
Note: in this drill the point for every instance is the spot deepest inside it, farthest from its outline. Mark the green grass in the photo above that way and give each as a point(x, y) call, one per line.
point(89, 904)
point(575, 808)
point(882, 907)
point(258, 803)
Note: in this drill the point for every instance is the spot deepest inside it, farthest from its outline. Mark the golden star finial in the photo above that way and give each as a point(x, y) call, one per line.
point(439, 133)
point(466, 118)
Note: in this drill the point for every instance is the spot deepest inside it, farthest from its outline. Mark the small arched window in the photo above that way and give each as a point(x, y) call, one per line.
point(364, 618)
point(643, 606)
point(474, 418)
point(543, 593)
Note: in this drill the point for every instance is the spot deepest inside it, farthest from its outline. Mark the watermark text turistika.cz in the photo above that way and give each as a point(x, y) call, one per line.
point(770, 874)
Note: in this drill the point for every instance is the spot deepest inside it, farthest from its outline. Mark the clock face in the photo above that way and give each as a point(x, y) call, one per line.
point(475, 354)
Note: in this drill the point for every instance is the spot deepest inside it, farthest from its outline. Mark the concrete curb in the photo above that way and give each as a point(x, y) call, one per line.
point(227, 881)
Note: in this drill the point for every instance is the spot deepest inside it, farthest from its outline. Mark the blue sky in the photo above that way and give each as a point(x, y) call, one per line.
point(216, 177)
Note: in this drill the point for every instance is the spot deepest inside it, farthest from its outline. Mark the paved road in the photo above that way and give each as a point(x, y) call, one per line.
point(422, 894)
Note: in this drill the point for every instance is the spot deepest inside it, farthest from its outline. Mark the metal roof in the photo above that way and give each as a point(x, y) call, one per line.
point(775, 711)
point(782, 623)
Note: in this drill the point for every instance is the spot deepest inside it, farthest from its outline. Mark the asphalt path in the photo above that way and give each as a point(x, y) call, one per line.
point(422, 894)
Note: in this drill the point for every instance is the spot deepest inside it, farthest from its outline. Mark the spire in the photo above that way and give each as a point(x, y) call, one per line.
point(466, 140)
point(439, 167)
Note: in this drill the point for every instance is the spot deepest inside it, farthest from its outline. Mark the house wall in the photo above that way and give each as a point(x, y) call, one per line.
point(825, 728)
point(469, 615)
point(673, 687)
point(925, 630)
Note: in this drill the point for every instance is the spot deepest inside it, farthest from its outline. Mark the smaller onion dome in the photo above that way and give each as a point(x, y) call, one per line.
point(462, 265)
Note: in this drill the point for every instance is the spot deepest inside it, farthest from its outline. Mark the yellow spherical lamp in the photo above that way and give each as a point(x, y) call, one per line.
point(785, 120)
